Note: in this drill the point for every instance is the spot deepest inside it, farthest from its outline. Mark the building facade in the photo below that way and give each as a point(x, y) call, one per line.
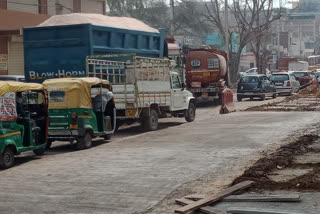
point(17, 14)
point(55, 7)
point(296, 35)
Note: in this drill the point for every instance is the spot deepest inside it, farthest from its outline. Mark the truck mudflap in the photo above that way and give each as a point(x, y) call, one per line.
point(227, 102)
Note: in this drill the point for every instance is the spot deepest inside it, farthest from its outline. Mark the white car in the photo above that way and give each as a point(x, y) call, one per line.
point(285, 83)
point(249, 72)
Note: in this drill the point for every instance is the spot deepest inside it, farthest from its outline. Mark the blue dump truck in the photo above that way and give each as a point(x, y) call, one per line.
point(61, 51)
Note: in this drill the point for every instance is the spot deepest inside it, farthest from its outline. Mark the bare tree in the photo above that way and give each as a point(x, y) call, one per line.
point(189, 19)
point(250, 19)
point(153, 12)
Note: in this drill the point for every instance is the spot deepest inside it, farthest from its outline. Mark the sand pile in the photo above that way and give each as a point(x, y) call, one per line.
point(311, 90)
point(98, 19)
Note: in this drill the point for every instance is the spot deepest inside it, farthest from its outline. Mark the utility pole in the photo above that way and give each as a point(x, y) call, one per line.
point(279, 33)
point(172, 17)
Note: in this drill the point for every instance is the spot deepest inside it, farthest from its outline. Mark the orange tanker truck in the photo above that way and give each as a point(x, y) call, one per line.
point(206, 73)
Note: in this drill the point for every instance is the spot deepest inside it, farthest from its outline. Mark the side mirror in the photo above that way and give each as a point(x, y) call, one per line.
point(183, 85)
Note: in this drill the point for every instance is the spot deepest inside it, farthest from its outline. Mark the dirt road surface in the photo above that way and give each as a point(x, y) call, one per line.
point(136, 171)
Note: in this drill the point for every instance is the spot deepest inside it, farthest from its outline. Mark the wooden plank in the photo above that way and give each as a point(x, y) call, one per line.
point(253, 198)
point(183, 201)
point(262, 198)
point(213, 198)
point(259, 211)
point(206, 210)
point(195, 197)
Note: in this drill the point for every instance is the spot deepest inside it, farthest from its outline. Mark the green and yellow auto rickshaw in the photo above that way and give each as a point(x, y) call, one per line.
point(80, 109)
point(23, 120)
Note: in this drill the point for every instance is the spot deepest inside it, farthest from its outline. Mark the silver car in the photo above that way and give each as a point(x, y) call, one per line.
point(285, 83)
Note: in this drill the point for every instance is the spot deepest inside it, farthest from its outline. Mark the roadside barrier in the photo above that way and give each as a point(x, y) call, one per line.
point(227, 102)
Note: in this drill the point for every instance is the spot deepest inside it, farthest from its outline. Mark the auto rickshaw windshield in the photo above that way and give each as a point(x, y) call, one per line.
point(13, 96)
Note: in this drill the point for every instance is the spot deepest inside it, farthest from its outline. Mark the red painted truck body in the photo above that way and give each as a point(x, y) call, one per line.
point(206, 73)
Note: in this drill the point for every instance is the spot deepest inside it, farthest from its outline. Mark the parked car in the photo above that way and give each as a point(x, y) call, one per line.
point(258, 85)
point(304, 77)
point(285, 83)
point(249, 72)
point(19, 78)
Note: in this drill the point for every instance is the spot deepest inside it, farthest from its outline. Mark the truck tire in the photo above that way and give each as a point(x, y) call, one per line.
point(151, 122)
point(190, 113)
point(84, 142)
point(7, 158)
point(263, 97)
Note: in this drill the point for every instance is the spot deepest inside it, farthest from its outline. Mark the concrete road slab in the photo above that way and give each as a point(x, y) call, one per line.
point(133, 173)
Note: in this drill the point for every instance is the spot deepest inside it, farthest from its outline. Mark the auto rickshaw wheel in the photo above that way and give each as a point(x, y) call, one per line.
point(85, 141)
point(7, 158)
point(107, 137)
point(39, 152)
point(49, 144)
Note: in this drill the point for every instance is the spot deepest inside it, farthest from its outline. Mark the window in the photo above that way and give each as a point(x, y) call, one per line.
point(175, 82)
point(56, 96)
point(213, 63)
point(279, 77)
point(250, 79)
point(265, 79)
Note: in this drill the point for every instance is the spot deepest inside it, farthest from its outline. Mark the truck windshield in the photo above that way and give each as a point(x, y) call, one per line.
point(250, 79)
point(280, 77)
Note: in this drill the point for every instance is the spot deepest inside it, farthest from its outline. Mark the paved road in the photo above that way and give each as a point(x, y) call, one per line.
point(135, 171)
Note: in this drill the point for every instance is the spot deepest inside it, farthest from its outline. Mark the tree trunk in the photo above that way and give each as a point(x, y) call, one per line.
point(234, 66)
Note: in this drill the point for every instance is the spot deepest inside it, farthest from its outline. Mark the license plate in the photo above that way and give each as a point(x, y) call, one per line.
point(206, 74)
point(278, 83)
point(248, 93)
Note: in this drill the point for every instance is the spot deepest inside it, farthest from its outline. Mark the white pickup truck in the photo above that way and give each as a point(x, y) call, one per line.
point(145, 89)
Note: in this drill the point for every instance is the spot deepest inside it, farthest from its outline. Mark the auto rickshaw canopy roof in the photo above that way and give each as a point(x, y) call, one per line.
point(76, 92)
point(15, 86)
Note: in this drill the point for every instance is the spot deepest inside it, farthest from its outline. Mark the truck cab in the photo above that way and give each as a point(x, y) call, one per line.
point(180, 96)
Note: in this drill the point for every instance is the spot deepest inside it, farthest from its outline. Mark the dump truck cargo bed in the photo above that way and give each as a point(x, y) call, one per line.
point(61, 51)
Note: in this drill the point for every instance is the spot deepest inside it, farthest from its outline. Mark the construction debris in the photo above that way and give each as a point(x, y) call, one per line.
point(246, 198)
point(214, 198)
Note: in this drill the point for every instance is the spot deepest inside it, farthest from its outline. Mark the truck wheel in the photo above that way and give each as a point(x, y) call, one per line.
point(7, 158)
point(190, 113)
point(263, 97)
point(84, 142)
point(151, 122)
